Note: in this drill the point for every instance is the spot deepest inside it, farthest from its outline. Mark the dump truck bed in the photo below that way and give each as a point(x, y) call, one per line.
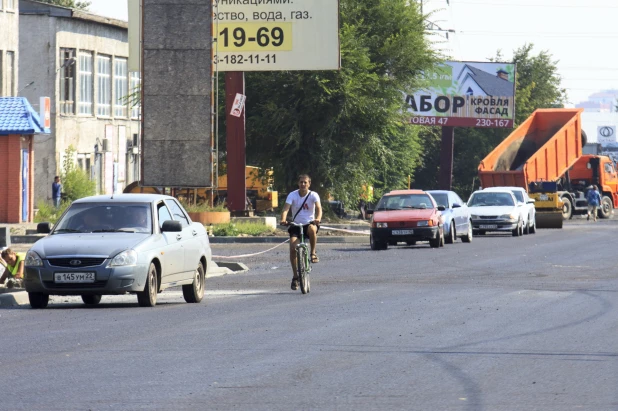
point(541, 149)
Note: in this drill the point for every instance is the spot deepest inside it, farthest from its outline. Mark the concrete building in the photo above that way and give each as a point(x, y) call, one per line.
point(80, 60)
point(9, 47)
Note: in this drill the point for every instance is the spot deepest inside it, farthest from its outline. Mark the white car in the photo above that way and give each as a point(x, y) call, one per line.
point(495, 210)
point(527, 210)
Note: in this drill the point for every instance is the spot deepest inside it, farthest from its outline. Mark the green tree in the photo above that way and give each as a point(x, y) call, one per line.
point(75, 182)
point(345, 128)
point(537, 86)
point(69, 3)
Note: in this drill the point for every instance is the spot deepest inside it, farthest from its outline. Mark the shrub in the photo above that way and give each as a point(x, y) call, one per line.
point(75, 182)
point(198, 208)
point(48, 213)
point(234, 229)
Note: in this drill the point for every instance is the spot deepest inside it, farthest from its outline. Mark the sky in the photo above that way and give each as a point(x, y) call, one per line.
point(581, 35)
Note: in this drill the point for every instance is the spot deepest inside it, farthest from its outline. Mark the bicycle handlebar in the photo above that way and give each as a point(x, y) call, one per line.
point(296, 224)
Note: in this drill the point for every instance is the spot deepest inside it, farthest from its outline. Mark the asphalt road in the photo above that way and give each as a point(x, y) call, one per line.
point(502, 323)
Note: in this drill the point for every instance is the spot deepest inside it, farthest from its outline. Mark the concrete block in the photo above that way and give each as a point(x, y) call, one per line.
point(14, 299)
point(5, 237)
point(233, 266)
point(269, 221)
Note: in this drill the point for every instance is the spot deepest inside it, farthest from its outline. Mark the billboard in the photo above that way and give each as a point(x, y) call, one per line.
point(465, 94)
point(276, 35)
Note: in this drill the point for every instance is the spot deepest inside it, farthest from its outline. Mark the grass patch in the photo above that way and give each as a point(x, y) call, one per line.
point(48, 213)
point(198, 208)
point(235, 229)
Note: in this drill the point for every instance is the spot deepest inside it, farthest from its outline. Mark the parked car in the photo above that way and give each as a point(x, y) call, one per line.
point(126, 243)
point(406, 216)
point(456, 216)
point(527, 210)
point(495, 210)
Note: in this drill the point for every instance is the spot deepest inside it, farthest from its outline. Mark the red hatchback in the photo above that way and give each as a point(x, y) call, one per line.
point(406, 216)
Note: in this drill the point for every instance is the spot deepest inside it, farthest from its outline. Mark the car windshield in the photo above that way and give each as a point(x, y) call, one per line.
point(106, 218)
point(519, 196)
point(491, 199)
point(441, 199)
point(404, 201)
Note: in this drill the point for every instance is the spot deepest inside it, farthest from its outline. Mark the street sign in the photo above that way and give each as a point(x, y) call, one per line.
point(606, 134)
point(465, 94)
point(275, 35)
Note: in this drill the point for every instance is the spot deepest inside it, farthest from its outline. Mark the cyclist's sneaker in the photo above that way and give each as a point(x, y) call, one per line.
point(295, 284)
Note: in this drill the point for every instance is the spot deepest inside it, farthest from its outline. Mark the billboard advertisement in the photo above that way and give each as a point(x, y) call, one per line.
point(276, 35)
point(465, 94)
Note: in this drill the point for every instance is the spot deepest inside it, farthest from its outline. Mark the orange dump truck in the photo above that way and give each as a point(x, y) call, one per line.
point(547, 148)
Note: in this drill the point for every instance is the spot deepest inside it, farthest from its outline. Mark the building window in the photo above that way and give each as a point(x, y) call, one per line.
point(10, 73)
point(67, 81)
point(85, 82)
point(120, 87)
point(104, 81)
point(10, 4)
point(135, 99)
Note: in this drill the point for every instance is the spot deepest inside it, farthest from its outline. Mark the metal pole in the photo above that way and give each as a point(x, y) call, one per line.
point(446, 158)
point(236, 158)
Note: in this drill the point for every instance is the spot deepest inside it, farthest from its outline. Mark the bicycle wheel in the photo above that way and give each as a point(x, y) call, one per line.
point(301, 261)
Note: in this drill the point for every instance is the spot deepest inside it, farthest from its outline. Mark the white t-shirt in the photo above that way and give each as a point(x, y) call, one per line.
point(307, 214)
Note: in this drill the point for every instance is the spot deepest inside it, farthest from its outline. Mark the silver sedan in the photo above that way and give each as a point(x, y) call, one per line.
point(127, 243)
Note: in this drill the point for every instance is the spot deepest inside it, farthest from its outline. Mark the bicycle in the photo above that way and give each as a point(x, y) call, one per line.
point(303, 262)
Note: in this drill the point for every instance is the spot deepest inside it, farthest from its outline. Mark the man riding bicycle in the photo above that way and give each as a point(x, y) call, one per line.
point(304, 204)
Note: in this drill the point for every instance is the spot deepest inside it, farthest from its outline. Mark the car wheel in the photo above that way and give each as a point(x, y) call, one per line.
point(526, 227)
point(450, 238)
point(606, 208)
point(148, 297)
point(437, 242)
point(377, 245)
point(517, 230)
point(194, 292)
point(91, 299)
point(38, 300)
point(533, 227)
point(468, 237)
point(567, 208)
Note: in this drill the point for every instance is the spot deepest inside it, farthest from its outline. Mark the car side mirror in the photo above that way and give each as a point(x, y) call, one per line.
point(171, 226)
point(441, 208)
point(531, 201)
point(456, 205)
point(43, 228)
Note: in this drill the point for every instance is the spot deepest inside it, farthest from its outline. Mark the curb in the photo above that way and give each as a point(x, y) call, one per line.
point(14, 299)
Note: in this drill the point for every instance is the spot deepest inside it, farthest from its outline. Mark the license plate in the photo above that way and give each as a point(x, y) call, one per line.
point(487, 227)
point(543, 197)
point(403, 232)
point(74, 277)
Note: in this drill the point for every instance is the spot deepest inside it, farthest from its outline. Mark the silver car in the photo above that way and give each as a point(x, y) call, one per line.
point(126, 243)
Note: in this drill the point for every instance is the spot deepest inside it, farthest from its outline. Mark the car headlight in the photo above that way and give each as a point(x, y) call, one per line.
point(381, 225)
point(33, 260)
point(125, 258)
point(511, 216)
point(422, 224)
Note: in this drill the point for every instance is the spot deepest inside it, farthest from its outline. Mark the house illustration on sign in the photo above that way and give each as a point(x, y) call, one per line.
point(475, 82)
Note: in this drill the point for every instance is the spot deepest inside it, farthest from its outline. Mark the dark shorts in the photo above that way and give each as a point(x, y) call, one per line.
point(295, 231)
